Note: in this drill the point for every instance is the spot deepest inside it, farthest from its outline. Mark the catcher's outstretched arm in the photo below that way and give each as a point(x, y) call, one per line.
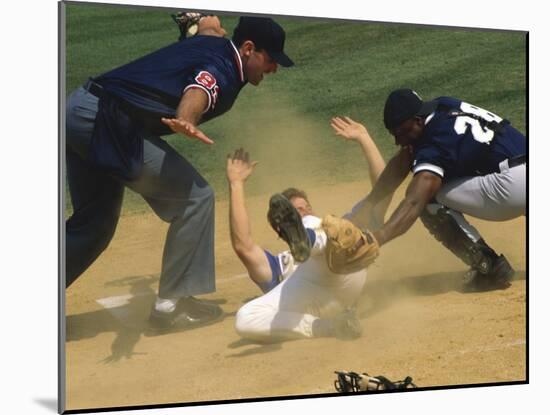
point(376, 165)
point(370, 212)
point(421, 190)
point(393, 175)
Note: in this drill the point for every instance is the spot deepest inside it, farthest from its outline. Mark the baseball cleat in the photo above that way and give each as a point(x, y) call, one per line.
point(189, 313)
point(287, 222)
point(188, 23)
point(498, 278)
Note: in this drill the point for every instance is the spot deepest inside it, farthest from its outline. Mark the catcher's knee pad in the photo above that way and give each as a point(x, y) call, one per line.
point(443, 225)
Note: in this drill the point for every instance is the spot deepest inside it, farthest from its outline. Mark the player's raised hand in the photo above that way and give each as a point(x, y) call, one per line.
point(186, 128)
point(239, 166)
point(348, 129)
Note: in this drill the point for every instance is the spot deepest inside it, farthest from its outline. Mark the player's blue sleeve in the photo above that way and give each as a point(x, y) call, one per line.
point(437, 157)
point(437, 150)
point(429, 160)
point(276, 272)
point(311, 236)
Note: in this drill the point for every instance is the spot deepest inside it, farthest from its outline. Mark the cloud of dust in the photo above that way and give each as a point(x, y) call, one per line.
point(295, 150)
point(292, 151)
point(411, 271)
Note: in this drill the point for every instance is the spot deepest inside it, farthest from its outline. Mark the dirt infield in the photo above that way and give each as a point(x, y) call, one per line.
point(415, 321)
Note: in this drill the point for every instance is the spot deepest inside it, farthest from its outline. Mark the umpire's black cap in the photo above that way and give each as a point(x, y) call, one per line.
point(403, 104)
point(266, 34)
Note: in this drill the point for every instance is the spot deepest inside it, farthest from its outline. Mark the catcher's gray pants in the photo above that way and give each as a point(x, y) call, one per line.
point(170, 185)
point(496, 197)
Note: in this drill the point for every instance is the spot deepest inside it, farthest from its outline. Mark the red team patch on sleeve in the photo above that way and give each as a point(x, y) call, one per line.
point(207, 80)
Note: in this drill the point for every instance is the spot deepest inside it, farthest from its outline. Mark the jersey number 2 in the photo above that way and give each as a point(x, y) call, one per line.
point(481, 134)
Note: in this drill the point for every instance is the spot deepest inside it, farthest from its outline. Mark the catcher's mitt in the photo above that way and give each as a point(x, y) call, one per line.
point(349, 249)
point(355, 382)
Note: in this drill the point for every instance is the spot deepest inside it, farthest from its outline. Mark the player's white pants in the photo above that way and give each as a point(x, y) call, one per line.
point(289, 310)
point(496, 197)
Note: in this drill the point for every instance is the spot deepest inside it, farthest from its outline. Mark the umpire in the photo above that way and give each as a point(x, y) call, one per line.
point(113, 128)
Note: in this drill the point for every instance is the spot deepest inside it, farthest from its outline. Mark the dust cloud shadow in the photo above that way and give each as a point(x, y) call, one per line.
point(128, 321)
point(240, 343)
point(90, 324)
point(256, 348)
point(127, 317)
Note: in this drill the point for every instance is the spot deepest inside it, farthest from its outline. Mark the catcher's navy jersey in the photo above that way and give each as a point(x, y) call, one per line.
point(155, 83)
point(457, 141)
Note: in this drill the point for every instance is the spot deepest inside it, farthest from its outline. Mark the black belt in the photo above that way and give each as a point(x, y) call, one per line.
point(94, 88)
point(517, 160)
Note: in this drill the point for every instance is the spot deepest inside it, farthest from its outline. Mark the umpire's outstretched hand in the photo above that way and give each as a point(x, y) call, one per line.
point(186, 128)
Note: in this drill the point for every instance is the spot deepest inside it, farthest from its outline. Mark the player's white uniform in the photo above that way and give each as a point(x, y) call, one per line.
point(311, 291)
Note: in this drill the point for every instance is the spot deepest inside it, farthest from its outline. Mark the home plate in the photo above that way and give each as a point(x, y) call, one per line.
point(132, 310)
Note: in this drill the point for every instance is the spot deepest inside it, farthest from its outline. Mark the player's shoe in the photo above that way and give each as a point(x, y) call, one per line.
point(188, 23)
point(498, 278)
point(346, 326)
point(287, 222)
point(190, 312)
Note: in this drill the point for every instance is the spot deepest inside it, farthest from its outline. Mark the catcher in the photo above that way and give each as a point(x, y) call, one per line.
point(302, 297)
point(465, 160)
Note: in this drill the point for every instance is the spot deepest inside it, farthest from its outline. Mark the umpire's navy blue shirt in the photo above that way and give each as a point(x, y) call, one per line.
point(154, 84)
point(459, 146)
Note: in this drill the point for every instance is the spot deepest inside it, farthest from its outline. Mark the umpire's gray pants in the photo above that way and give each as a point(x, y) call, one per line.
point(171, 186)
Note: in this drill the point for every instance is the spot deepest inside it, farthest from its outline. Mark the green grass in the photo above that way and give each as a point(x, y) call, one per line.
point(342, 68)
